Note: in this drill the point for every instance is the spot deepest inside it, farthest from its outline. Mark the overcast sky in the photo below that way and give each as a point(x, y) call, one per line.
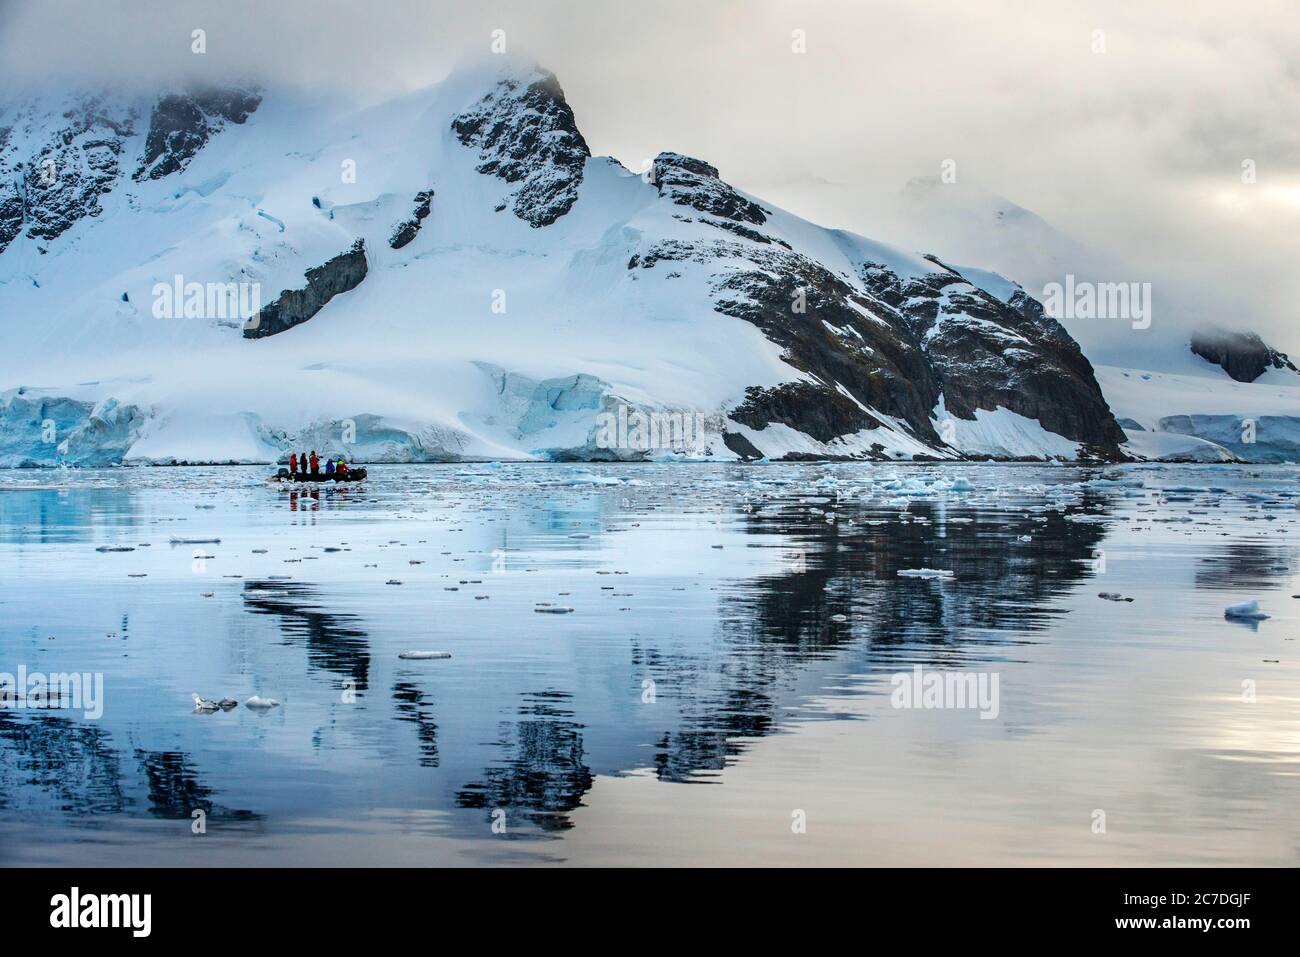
point(1136, 150)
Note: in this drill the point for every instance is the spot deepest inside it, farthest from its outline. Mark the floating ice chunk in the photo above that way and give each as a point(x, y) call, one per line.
point(588, 478)
point(423, 655)
point(195, 541)
point(115, 548)
point(961, 484)
point(1112, 596)
point(203, 705)
point(261, 704)
point(924, 573)
point(552, 609)
point(1245, 611)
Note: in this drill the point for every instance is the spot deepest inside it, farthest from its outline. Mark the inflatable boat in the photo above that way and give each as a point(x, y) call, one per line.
point(353, 475)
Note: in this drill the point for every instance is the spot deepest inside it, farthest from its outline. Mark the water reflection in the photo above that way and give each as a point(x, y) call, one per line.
point(778, 596)
point(334, 642)
point(545, 775)
point(71, 765)
point(175, 792)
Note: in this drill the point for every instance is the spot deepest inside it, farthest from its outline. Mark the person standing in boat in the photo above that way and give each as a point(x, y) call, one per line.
point(315, 463)
point(302, 463)
point(293, 462)
point(329, 466)
point(341, 470)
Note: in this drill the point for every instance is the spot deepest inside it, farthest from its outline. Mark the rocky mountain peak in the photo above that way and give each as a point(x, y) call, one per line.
point(526, 134)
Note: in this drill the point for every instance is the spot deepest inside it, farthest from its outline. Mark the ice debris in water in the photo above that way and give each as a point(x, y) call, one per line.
point(1112, 596)
point(924, 573)
point(423, 655)
point(261, 704)
point(204, 705)
point(1245, 610)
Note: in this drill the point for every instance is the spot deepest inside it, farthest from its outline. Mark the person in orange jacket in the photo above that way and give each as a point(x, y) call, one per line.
point(315, 463)
point(293, 463)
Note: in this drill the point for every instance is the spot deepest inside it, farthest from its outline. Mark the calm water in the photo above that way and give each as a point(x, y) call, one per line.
point(720, 692)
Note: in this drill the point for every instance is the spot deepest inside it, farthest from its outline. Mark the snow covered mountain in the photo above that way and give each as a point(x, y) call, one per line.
point(228, 275)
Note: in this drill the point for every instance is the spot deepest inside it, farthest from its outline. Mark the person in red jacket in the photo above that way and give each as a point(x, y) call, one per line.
point(293, 463)
point(315, 463)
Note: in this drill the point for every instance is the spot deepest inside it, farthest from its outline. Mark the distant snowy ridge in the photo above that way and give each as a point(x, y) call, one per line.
point(452, 276)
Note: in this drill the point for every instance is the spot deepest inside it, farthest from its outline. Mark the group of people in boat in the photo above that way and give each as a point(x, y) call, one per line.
point(305, 464)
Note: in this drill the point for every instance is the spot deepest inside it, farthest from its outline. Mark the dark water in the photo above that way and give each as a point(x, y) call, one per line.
point(720, 691)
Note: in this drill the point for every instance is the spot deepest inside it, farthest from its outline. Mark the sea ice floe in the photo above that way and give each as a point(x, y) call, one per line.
point(1245, 611)
point(423, 655)
point(924, 573)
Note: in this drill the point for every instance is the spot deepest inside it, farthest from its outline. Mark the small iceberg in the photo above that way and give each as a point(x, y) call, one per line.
point(924, 573)
point(1245, 611)
point(423, 655)
point(261, 704)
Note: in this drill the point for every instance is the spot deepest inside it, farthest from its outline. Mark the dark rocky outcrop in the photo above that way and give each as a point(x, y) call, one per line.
point(692, 182)
point(295, 306)
point(407, 231)
point(182, 123)
point(1243, 355)
point(526, 135)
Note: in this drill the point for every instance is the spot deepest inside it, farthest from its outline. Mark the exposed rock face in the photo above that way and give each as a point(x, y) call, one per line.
point(407, 231)
point(986, 353)
point(182, 123)
point(691, 182)
point(51, 178)
point(295, 306)
point(1243, 355)
point(526, 135)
